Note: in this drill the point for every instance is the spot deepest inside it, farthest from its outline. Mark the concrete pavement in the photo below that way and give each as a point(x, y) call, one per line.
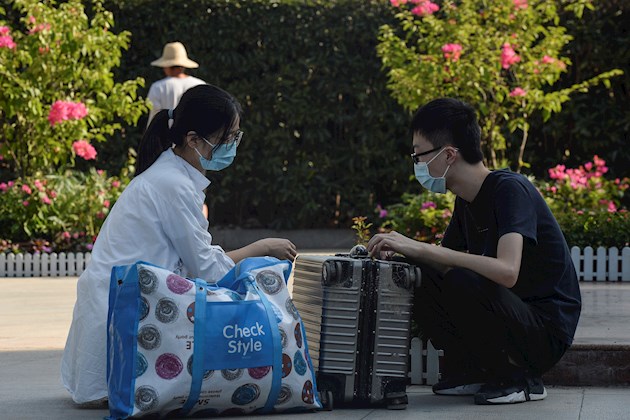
point(35, 314)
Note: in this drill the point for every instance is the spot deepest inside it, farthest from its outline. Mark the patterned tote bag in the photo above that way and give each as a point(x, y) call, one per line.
point(179, 346)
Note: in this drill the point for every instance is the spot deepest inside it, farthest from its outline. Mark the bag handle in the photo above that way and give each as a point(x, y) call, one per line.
point(198, 346)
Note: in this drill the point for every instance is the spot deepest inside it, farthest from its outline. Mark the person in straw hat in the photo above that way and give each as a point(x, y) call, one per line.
point(165, 93)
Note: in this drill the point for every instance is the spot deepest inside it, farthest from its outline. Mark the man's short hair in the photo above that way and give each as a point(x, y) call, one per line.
point(449, 121)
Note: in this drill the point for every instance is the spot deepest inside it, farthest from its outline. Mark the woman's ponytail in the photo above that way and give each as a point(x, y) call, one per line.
point(156, 139)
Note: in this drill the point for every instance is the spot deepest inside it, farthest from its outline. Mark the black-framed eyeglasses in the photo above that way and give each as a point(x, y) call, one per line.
point(233, 142)
point(415, 156)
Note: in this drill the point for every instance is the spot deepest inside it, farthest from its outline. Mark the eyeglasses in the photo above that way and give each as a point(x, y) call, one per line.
point(416, 156)
point(233, 142)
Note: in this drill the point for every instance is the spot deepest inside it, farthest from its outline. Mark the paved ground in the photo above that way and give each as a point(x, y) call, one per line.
point(35, 314)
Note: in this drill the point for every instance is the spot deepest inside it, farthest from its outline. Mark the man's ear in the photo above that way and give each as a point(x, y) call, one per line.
point(451, 154)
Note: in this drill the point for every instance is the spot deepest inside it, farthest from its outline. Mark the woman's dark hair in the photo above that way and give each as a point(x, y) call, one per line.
point(204, 109)
point(449, 121)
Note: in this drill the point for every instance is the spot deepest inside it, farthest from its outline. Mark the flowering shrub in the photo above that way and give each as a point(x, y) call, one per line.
point(503, 56)
point(64, 212)
point(57, 89)
point(588, 207)
point(423, 216)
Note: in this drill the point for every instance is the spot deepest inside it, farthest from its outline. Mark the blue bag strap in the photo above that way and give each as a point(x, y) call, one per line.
point(276, 381)
point(198, 346)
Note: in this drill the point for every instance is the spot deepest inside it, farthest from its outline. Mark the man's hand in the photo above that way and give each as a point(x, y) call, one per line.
point(281, 248)
point(385, 245)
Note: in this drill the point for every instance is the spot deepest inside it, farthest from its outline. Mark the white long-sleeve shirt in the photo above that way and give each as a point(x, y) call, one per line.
point(157, 219)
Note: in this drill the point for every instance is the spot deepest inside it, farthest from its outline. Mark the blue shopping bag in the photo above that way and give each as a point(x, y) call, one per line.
point(180, 346)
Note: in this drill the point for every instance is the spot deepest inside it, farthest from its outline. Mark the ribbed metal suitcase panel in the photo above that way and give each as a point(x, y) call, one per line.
point(331, 331)
point(393, 322)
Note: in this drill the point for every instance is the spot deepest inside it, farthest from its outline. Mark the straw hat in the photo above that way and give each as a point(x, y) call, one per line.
point(174, 55)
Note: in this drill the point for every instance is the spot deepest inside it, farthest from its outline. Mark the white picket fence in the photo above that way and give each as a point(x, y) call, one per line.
point(43, 265)
point(599, 264)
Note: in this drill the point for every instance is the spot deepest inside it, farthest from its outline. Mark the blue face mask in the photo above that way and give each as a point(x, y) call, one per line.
point(222, 156)
point(431, 183)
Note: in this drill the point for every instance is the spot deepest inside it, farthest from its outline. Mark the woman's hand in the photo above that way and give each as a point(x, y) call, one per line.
point(281, 248)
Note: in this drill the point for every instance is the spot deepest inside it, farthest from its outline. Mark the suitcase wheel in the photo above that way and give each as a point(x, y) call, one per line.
point(397, 401)
point(326, 397)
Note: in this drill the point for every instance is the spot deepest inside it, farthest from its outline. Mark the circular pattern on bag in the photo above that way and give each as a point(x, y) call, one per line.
point(147, 281)
point(269, 281)
point(146, 398)
point(292, 309)
point(206, 375)
point(299, 363)
point(232, 374)
point(166, 310)
point(259, 372)
point(190, 312)
point(283, 338)
point(298, 335)
point(168, 366)
point(287, 365)
point(141, 364)
point(246, 394)
point(177, 284)
point(284, 395)
point(307, 393)
point(143, 308)
point(149, 337)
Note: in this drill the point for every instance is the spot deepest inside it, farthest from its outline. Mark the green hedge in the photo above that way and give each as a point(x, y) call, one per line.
point(324, 141)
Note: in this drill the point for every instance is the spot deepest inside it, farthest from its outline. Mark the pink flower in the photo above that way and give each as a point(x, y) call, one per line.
point(39, 28)
point(26, 189)
point(89, 247)
point(397, 3)
point(115, 184)
point(84, 149)
point(520, 4)
point(452, 51)
point(428, 205)
point(611, 207)
point(25, 203)
point(588, 166)
point(424, 7)
point(6, 41)
point(100, 215)
point(518, 92)
point(52, 193)
point(4, 30)
point(3, 186)
point(65, 110)
point(508, 56)
point(10, 183)
point(65, 235)
point(46, 200)
point(106, 203)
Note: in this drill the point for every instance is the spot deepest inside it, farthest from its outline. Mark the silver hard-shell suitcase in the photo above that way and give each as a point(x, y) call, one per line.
point(357, 317)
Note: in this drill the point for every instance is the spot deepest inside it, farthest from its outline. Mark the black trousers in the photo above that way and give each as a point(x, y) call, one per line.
point(482, 324)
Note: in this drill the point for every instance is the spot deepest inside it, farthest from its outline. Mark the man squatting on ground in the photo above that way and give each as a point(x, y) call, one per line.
point(500, 295)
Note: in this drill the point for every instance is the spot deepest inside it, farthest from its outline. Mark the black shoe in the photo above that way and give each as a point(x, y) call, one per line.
point(512, 392)
point(457, 386)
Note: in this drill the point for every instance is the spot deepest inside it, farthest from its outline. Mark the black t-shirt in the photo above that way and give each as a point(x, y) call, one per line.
point(507, 202)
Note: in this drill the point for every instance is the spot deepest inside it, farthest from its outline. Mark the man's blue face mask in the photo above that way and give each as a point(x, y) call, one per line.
point(431, 183)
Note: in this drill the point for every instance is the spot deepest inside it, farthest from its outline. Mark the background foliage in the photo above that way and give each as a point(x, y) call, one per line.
point(325, 141)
